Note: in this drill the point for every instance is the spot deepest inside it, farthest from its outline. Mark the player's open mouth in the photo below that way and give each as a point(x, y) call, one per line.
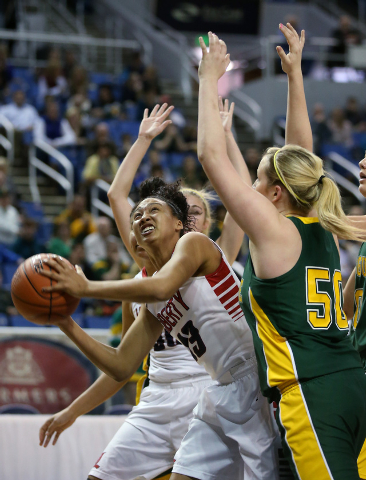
point(147, 230)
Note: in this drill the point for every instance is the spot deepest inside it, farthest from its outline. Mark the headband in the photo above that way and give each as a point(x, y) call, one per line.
point(282, 180)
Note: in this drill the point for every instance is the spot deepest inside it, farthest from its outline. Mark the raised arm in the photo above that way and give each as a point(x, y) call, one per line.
point(298, 129)
point(150, 127)
point(252, 211)
point(101, 390)
point(232, 235)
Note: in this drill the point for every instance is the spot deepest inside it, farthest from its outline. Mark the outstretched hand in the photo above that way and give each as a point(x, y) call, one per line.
point(215, 60)
point(69, 279)
point(226, 114)
point(56, 424)
point(152, 126)
point(292, 61)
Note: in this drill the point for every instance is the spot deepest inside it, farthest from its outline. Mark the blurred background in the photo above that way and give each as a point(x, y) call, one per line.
point(75, 78)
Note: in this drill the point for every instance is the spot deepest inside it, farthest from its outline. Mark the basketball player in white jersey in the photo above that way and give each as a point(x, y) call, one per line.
point(194, 295)
point(146, 443)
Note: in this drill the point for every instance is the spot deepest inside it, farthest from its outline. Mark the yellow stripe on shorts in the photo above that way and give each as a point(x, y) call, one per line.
point(301, 437)
point(361, 462)
point(141, 381)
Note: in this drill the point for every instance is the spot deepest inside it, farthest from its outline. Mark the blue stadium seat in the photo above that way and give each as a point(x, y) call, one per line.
point(4, 320)
point(8, 270)
point(101, 78)
point(20, 321)
point(123, 409)
point(97, 322)
point(18, 408)
point(44, 233)
point(342, 150)
point(32, 210)
point(175, 160)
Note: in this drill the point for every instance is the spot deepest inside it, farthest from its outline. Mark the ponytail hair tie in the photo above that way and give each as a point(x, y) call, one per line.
point(321, 179)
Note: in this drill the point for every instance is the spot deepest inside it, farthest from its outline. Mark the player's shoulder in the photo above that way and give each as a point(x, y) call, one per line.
point(194, 238)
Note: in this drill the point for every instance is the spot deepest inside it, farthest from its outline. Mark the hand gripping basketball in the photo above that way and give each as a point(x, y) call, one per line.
point(28, 294)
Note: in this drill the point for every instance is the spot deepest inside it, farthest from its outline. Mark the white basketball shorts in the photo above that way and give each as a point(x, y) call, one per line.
point(145, 445)
point(231, 420)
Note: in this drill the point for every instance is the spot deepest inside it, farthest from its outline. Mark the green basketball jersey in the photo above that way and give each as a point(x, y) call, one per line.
point(358, 325)
point(298, 324)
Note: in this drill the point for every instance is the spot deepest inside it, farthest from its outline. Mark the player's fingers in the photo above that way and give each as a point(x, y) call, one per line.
point(167, 112)
point(223, 46)
point(56, 437)
point(165, 124)
point(227, 60)
point(226, 105)
point(55, 288)
point(203, 46)
point(56, 262)
point(232, 106)
point(221, 105)
point(302, 38)
point(292, 30)
point(161, 109)
point(281, 53)
point(146, 113)
point(154, 110)
point(285, 31)
point(43, 430)
point(52, 275)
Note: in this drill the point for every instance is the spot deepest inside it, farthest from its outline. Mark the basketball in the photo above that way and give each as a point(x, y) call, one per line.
point(26, 291)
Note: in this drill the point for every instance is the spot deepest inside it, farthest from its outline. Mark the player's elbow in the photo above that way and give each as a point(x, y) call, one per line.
point(120, 374)
point(162, 293)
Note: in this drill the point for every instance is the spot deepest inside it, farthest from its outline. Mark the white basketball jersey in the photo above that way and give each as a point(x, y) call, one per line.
point(205, 316)
point(169, 360)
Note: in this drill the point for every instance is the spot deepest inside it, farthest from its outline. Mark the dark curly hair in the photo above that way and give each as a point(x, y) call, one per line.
point(171, 194)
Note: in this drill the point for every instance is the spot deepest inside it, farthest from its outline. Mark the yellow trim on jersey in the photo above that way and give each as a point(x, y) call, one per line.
point(141, 380)
point(306, 220)
point(361, 462)
point(281, 371)
point(301, 437)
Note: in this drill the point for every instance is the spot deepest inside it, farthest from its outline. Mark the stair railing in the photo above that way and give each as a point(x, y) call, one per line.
point(65, 181)
point(97, 205)
point(8, 141)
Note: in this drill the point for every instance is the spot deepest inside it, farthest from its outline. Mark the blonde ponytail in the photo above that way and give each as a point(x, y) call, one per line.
point(301, 173)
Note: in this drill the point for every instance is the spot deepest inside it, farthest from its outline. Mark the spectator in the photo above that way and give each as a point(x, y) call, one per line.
point(95, 244)
point(22, 115)
point(132, 89)
point(81, 222)
point(78, 82)
point(148, 100)
point(190, 173)
point(341, 129)
point(353, 112)
point(126, 144)
point(53, 129)
point(110, 267)
point(69, 64)
point(6, 182)
point(344, 35)
point(83, 104)
point(51, 83)
point(105, 107)
point(150, 80)
point(77, 257)
point(9, 219)
point(27, 245)
point(252, 158)
point(5, 73)
point(6, 302)
point(60, 243)
point(74, 118)
point(172, 141)
point(321, 131)
point(101, 165)
point(102, 136)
